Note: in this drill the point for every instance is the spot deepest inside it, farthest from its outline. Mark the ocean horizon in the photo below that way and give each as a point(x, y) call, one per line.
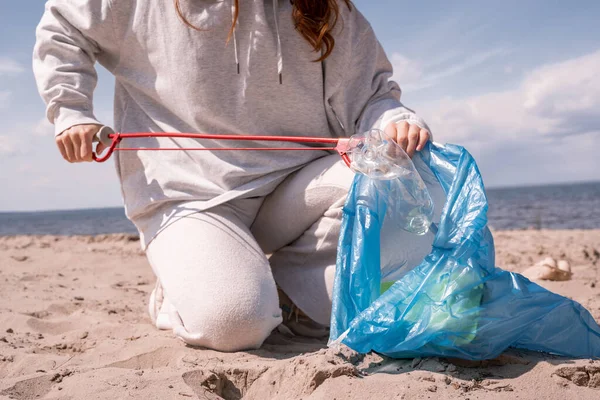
point(554, 206)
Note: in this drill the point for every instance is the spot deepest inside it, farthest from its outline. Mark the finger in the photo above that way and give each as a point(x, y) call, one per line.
point(62, 148)
point(390, 131)
point(423, 139)
point(402, 134)
point(413, 140)
point(100, 148)
point(76, 145)
point(69, 149)
point(86, 147)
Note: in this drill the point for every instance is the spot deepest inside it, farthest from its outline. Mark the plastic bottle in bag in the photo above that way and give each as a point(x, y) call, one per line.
point(379, 157)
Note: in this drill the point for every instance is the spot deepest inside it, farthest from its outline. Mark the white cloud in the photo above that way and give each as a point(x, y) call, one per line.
point(405, 69)
point(43, 128)
point(567, 93)
point(552, 101)
point(416, 74)
point(10, 66)
point(22, 138)
point(8, 146)
point(4, 98)
point(546, 129)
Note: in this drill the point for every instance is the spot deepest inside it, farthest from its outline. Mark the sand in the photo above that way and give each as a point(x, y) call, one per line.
point(73, 325)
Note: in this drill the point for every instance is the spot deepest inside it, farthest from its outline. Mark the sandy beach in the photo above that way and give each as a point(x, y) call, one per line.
point(73, 325)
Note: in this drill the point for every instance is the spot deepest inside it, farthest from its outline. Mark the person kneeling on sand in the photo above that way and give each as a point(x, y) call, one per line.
point(206, 219)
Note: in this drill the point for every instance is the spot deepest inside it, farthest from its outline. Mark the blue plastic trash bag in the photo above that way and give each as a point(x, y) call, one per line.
point(450, 300)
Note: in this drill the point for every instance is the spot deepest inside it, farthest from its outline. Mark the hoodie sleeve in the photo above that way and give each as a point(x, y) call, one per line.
point(359, 94)
point(70, 37)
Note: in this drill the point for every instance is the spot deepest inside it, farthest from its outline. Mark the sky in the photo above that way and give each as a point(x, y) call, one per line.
point(517, 83)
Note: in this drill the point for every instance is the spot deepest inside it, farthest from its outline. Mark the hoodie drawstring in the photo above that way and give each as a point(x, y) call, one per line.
point(279, 51)
point(235, 42)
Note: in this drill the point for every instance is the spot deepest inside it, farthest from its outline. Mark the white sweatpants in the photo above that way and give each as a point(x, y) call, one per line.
point(216, 288)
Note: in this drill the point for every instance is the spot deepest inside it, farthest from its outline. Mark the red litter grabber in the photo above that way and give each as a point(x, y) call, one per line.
point(371, 153)
point(112, 139)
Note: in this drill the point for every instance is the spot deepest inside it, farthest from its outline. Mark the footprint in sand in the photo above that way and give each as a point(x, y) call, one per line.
point(283, 379)
point(220, 385)
point(27, 389)
point(588, 375)
point(58, 327)
point(162, 357)
point(58, 319)
point(63, 309)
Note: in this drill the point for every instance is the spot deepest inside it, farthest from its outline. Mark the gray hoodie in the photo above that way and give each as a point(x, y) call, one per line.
point(174, 79)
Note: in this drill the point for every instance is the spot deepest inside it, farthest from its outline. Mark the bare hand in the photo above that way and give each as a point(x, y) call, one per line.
point(75, 143)
point(410, 137)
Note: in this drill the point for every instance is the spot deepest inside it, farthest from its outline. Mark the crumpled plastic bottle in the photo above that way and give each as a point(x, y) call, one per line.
point(377, 156)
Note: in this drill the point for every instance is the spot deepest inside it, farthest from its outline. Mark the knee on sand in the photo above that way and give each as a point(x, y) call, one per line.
point(234, 323)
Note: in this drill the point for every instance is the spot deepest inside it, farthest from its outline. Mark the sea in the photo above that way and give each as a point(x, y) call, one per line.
point(570, 206)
